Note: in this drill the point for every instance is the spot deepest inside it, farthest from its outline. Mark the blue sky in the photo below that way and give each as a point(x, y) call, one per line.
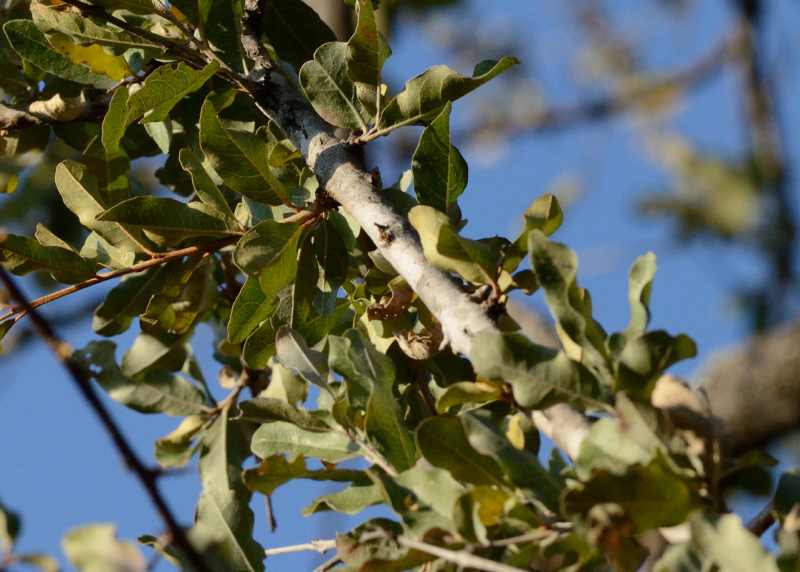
point(60, 470)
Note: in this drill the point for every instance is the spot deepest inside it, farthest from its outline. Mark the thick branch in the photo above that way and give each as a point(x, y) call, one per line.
point(147, 476)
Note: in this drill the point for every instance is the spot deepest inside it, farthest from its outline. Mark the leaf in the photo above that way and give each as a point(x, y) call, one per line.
point(266, 409)
point(350, 500)
point(331, 254)
point(166, 217)
point(164, 88)
point(10, 525)
point(78, 190)
point(42, 562)
point(84, 30)
point(367, 50)
point(280, 437)
point(432, 486)
point(207, 191)
point(651, 495)
point(260, 346)
point(22, 255)
point(467, 392)
point(95, 548)
point(787, 493)
point(224, 505)
point(440, 172)
point(269, 251)
point(176, 448)
point(295, 30)
point(538, 375)
point(521, 466)
point(730, 545)
point(330, 90)
point(152, 392)
point(425, 95)
point(150, 350)
point(250, 308)
point(294, 354)
point(93, 56)
point(276, 471)
point(476, 261)
point(240, 158)
point(640, 284)
point(442, 442)
point(32, 45)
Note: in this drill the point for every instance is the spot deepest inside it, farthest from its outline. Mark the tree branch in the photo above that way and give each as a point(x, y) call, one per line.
point(147, 476)
point(100, 278)
point(321, 546)
point(460, 558)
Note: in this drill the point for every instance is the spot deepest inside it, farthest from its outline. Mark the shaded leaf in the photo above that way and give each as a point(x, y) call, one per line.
point(207, 191)
point(250, 308)
point(367, 50)
point(21, 255)
point(295, 30)
point(276, 471)
point(350, 500)
point(281, 437)
point(269, 250)
point(166, 217)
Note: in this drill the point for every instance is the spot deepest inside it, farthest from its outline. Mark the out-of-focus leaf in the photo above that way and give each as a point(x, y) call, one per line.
point(730, 545)
point(42, 562)
point(95, 548)
point(166, 217)
point(295, 30)
point(330, 90)
point(443, 443)
point(10, 525)
point(276, 471)
point(538, 375)
point(787, 494)
point(176, 448)
point(151, 392)
point(424, 96)
point(467, 392)
point(260, 346)
point(240, 158)
point(281, 437)
point(21, 254)
point(440, 172)
point(32, 45)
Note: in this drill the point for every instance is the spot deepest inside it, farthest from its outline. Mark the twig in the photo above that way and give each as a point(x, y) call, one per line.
point(147, 476)
point(762, 522)
point(100, 278)
point(460, 557)
point(321, 546)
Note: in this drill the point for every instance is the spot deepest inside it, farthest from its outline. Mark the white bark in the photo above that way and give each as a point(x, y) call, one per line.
point(353, 188)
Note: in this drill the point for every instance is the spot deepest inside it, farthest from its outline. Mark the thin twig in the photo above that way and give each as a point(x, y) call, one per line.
point(460, 557)
point(762, 522)
point(100, 278)
point(321, 546)
point(147, 476)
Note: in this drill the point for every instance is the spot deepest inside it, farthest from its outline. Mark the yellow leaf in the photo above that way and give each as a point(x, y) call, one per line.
point(93, 56)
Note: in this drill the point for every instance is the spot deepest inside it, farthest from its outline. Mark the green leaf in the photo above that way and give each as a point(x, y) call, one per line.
point(281, 437)
point(250, 308)
point(240, 158)
point(150, 350)
point(260, 346)
point(269, 251)
point(731, 546)
point(295, 30)
point(224, 505)
point(166, 217)
point(476, 261)
point(21, 255)
point(640, 284)
point(85, 30)
point(538, 375)
point(425, 95)
point(176, 448)
point(79, 191)
point(32, 45)
point(276, 471)
point(367, 50)
point(95, 548)
point(651, 495)
point(151, 392)
point(787, 494)
point(267, 409)
point(164, 88)
point(443, 443)
point(330, 90)
point(294, 354)
point(644, 359)
point(521, 466)
point(350, 500)
point(440, 172)
point(467, 392)
point(135, 6)
point(331, 254)
point(207, 191)
point(432, 486)
point(10, 525)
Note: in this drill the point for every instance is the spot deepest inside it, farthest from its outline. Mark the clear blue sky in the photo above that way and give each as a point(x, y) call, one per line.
point(60, 470)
